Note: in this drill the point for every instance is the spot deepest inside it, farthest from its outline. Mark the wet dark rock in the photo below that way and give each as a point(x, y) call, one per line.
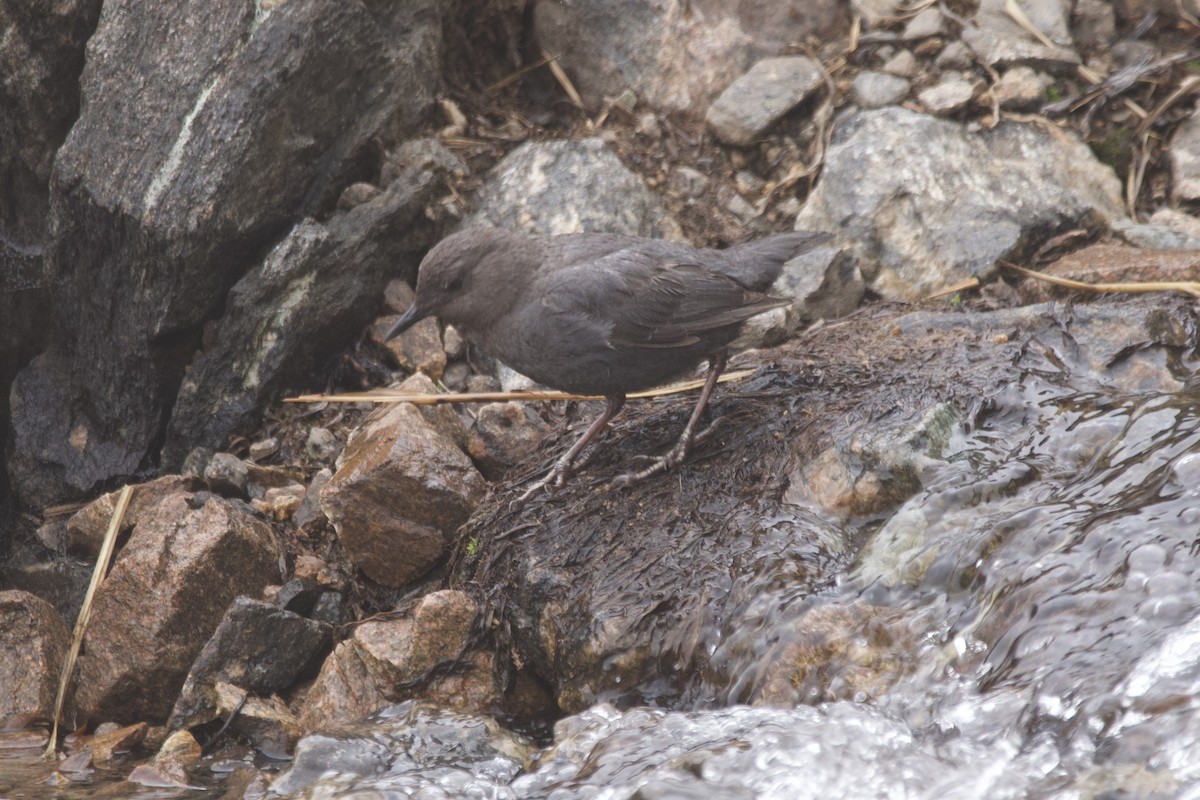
point(298, 596)
point(504, 434)
point(572, 187)
point(33, 644)
point(61, 583)
point(877, 89)
point(836, 652)
point(674, 59)
point(997, 191)
point(86, 527)
point(257, 647)
point(754, 102)
point(246, 783)
point(188, 159)
point(876, 468)
point(1185, 160)
point(179, 571)
point(227, 475)
point(401, 490)
point(291, 312)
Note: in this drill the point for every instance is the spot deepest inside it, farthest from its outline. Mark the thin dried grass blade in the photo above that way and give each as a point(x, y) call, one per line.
point(85, 611)
point(398, 396)
point(1187, 287)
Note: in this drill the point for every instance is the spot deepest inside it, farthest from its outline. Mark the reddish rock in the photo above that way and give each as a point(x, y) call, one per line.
point(343, 691)
point(504, 434)
point(86, 529)
point(168, 590)
point(104, 746)
point(402, 490)
point(33, 643)
point(418, 349)
point(403, 651)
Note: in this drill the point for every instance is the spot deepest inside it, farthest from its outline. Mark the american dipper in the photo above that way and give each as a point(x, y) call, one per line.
point(602, 314)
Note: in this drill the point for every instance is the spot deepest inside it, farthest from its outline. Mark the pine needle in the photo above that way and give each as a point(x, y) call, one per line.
point(1187, 287)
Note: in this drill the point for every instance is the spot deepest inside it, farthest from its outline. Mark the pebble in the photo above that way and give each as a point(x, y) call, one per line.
point(322, 445)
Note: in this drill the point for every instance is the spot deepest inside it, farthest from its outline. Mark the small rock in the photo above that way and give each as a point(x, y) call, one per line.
point(824, 283)
point(321, 445)
point(426, 154)
point(876, 89)
point(178, 752)
point(736, 205)
point(227, 475)
point(647, 125)
point(1021, 88)
point(504, 434)
point(927, 22)
point(398, 296)
point(1185, 160)
point(196, 462)
point(455, 376)
point(1093, 25)
point(684, 181)
point(955, 55)
point(755, 101)
point(113, 742)
point(403, 651)
point(418, 349)
point(264, 449)
point(53, 534)
point(627, 100)
point(950, 94)
point(310, 509)
point(903, 65)
point(513, 381)
point(284, 501)
point(260, 479)
point(1185, 224)
point(453, 343)
point(356, 194)
point(999, 40)
point(486, 384)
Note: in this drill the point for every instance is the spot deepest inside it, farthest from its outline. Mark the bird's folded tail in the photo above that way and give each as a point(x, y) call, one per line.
point(758, 263)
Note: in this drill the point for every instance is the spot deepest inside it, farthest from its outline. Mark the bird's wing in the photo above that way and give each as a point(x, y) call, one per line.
point(639, 300)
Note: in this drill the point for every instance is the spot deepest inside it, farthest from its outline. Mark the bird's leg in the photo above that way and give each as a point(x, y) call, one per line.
point(676, 455)
point(564, 467)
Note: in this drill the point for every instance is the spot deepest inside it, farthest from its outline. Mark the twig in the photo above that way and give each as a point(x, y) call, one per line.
point(398, 396)
point(1187, 287)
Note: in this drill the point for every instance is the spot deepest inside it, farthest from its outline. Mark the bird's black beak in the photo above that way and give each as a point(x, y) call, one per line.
point(406, 321)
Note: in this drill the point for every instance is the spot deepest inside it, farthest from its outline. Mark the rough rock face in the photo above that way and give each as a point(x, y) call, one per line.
point(33, 643)
point(402, 489)
point(674, 55)
point(572, 187)
point(942, 205)
point(166, 593)
point(206, 131)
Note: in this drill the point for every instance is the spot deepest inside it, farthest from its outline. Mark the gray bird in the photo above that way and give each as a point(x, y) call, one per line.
point(601, 314)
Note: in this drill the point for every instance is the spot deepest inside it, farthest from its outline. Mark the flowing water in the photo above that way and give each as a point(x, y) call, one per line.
point(1026, 626)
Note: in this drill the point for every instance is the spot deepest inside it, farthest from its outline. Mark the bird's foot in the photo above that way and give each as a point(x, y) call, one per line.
point(665, 463)
point(556, 477)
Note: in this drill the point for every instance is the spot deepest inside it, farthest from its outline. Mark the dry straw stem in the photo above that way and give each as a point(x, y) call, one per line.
point(85, 611)
point(1188, 287)
point(397, 396)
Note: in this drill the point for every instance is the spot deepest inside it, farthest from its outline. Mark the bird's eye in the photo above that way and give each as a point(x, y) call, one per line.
point(455, 284)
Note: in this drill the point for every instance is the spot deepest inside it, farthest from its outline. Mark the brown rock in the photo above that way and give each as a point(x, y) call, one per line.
point(403, 651)
point(344, 690)
point(85, 530)
point(33, 643)
point(837, 652)
point(401, 492)
point(167, 592)
point(1111, 263)
point(418, 349)
point(104, 746)
point(504, 434)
